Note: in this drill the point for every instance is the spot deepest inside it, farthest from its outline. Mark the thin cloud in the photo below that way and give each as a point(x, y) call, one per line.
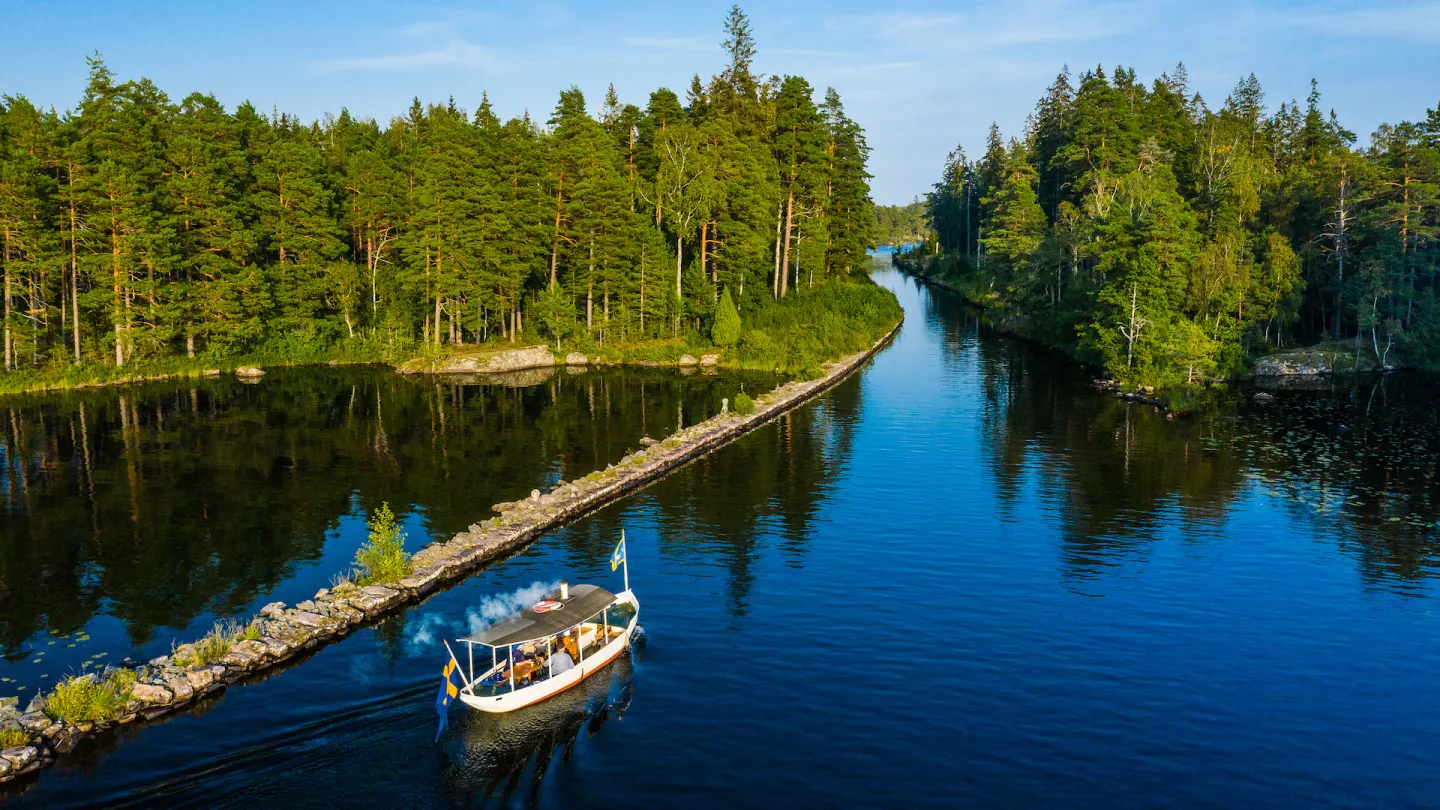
point(672, 43)
point(863, 69)
point(457, 54)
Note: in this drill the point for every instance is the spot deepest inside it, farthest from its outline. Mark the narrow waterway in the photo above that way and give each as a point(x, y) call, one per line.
point(962, 577)
point(132, 518)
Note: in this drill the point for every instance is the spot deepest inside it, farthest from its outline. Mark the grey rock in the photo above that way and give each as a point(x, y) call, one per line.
point(1264, 397)
point(688, 360)
point(36, 721)
point(305, 618)
point(485, 362)
point(307, 605)
point(200, 679)
point(709, 359)
point(249, 371)
point(21, 756)
point(181, 688)
point(151, 693)
point(576, 359)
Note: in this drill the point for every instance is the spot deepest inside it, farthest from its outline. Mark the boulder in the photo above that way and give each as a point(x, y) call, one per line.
point(274, 610)
point(1264, 397)
point(646, 441)
point(249, 372)
point(305, 618)
point(576, 359)
point(688, 360)
point(200, 679)
point(151, 693)
point(211, 372)
point(709, 359)
point(36, 722)
point(21, 756)
point(181, 688)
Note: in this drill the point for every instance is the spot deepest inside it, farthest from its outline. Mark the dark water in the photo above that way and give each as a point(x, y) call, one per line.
point(133, 517)
point(963, 577)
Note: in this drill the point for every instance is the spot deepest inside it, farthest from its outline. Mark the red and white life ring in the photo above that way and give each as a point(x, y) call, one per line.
point(547, 605)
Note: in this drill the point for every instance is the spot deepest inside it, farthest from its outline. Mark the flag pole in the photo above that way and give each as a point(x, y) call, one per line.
point(625, 559)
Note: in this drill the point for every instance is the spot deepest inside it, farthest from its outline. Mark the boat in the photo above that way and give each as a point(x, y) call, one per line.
point(546, 648)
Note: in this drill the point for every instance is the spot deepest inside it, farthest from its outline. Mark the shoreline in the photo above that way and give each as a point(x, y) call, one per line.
point(163, 687)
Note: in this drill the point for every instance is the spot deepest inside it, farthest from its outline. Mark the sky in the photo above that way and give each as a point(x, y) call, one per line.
point(920, 77)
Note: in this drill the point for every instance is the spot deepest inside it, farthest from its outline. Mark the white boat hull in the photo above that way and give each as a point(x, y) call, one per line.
point(555, 684)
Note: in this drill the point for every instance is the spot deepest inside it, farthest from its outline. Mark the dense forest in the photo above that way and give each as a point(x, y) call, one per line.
point(135, 227)
point(1168, 242)
point(901, 224)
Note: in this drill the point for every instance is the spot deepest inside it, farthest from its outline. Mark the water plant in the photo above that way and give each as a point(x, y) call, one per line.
point(382, 558)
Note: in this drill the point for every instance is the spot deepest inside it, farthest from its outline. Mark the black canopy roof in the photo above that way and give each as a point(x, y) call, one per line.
point(585, 601)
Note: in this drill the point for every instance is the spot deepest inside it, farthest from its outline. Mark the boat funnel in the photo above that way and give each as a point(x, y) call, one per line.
point(564, 590)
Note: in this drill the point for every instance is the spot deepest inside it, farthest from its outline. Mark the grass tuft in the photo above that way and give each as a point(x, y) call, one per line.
point(86, 698)
point(14, 737)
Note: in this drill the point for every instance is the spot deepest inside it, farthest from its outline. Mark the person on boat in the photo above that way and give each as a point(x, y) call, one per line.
point(560, 660)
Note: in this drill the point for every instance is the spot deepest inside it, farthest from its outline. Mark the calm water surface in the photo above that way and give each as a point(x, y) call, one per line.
point(961, 578)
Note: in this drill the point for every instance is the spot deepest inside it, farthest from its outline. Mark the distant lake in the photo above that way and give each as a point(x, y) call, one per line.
point(963, 577)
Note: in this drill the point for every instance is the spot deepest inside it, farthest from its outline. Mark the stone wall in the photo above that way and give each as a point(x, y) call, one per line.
point(164, 686)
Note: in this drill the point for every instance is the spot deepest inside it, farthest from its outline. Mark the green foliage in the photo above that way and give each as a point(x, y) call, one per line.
point(1168, 242)
point(901, 224)
point(725, 331)
point(14, 737)
point(89, 698)
point(815, 326)
point(744, 405)
point(209, 236)
point(382, 558)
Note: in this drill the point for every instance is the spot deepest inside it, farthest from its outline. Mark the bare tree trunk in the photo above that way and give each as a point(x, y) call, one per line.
point(779, 222)
point(117, 297)
point(9, 349)
point(1340, 222)
point(74, 266)
point(590, 288)
point(789, 220)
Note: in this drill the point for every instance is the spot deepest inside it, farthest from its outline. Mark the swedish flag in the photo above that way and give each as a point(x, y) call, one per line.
point(619, 555)
point(448, 692)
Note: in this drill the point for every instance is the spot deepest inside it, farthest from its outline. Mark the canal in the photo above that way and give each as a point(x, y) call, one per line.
point(964, 576)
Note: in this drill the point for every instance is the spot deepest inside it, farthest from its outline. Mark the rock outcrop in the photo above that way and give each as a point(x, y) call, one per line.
point(481, 362)
point(249, 373)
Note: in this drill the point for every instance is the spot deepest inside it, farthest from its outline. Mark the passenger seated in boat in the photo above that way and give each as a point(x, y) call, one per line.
point(560, 661)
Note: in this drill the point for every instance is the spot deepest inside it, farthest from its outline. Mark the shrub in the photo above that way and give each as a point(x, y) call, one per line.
point(86, 698)
point(382, 559)
point(13, 738)
point(744, 405)
point(726, 329)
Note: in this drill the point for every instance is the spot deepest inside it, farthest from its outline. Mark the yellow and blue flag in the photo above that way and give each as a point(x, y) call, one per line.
point(619, 555)
point(448, 692)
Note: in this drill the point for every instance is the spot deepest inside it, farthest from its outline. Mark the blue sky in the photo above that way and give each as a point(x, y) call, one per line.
point(919, 76)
